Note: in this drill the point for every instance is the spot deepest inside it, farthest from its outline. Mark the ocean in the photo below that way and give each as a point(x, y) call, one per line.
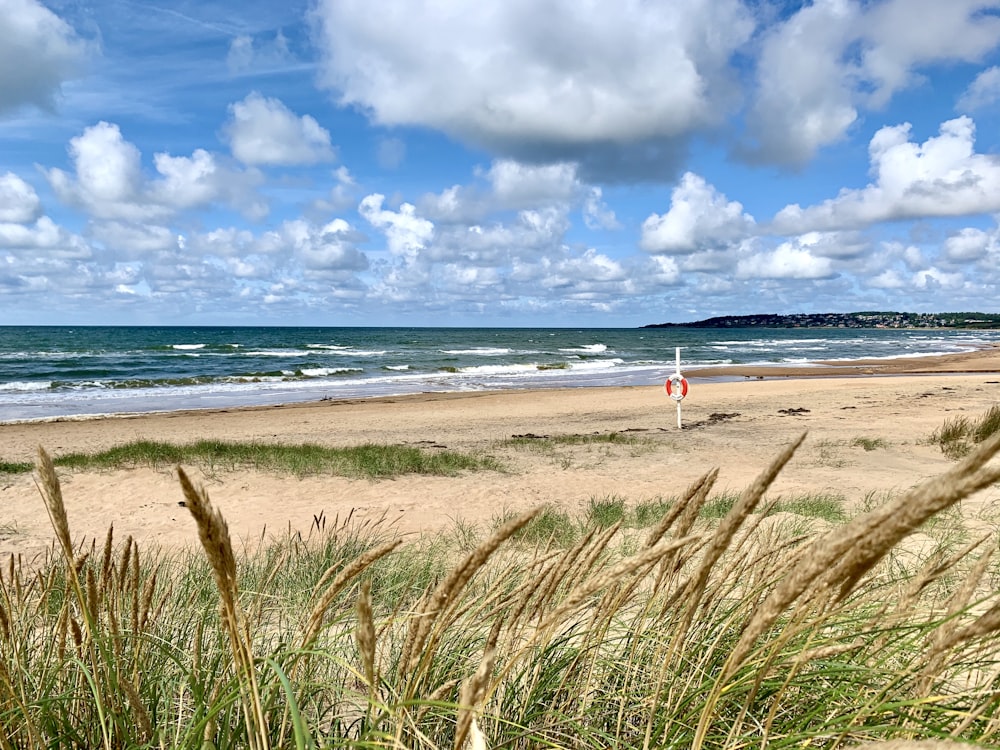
point(51, 372)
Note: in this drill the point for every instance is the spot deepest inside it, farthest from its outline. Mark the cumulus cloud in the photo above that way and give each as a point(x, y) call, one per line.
point(44, 238)
point(789, 260)
point(262, 130)
point(970, 244)
point(509, 185)
point(109, 182)
point(19, 202)
point(406, 232)
point(941, 177)
point(700, 218)
point(127, 240)
point(39, 53)
point(546, 81)
point(328, 248)
point(832, 57)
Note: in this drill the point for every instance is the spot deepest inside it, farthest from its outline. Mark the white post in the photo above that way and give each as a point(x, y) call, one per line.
point(677, 353)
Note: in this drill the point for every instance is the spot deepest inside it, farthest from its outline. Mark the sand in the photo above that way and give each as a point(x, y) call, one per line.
point(736, 420)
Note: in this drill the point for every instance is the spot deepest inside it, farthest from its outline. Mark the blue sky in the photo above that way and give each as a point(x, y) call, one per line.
point(499, 162)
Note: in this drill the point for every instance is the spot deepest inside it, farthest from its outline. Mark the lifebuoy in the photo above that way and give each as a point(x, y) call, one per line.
point(670, 388)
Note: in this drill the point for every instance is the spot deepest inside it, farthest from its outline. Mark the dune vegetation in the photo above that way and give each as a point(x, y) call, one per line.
point(659, 625)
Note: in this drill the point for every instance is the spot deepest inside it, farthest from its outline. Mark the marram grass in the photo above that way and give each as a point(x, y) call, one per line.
point(731, 633)
point(375, 461)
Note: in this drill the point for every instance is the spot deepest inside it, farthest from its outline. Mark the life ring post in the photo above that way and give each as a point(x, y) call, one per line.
point(676, 386)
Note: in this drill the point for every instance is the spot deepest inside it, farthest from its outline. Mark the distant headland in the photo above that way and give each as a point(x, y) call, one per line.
point(845, 320)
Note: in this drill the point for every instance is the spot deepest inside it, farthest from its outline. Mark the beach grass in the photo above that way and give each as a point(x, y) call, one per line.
point(371, 460)
point(869, 443)
point(706, 633)
point(958, 435)
point(547, 442)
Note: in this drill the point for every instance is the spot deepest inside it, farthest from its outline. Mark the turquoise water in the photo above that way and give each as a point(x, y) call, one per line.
point(48, 372)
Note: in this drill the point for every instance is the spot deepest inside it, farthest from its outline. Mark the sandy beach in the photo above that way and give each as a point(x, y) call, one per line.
point(734, 419)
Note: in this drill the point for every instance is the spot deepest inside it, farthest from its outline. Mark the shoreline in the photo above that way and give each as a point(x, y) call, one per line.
point(868, 434)
point(983, 360)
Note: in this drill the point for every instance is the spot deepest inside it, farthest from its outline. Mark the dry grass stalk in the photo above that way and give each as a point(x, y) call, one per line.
point(106, 560)
point(138, 710)
point(614, 574)
point(473, 690)
point(597, 548)
point(729, 525)
point(844, 554)
point(350, 571)
point(364, 633)
point(558, 573)
point(692, 502)
point(213, 532)
point(940, 638)
point(699, 488)
point(984, 625)
point(48, 485)
point(126, 559)
point(448, 590)
point(932, 570)
point(93, 597)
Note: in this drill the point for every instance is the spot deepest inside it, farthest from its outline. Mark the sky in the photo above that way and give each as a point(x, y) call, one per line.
point(497, 162)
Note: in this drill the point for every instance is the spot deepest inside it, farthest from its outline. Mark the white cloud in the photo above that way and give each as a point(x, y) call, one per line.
point(109, 182)
point(133, 240)
point(45, 238)
point(263, 130)
point(319, 248)
point(406, 233)
point(941, 177)
point(970, 244)
point(248, 55)
point(596, 76)
point(832, 57)
point(982, 92)
point(804, 100)
point(700, 218)
point(935, 278)
point(888, 279)
point(509, 185)
point(40, 51)
point(789, 260)
point(597, 214)
point(19, 202)
point(518, 185)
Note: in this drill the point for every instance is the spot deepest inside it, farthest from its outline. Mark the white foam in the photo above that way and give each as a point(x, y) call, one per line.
point(30, 385)
point(483, 351)
point(587, 349)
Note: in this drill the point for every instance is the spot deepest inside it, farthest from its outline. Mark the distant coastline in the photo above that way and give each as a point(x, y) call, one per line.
point(867, 319)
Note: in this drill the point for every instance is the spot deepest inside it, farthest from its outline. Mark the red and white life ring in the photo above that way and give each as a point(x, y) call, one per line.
point(673, 382)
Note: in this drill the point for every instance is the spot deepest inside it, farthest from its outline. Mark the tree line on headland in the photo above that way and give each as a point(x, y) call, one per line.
point(846, 320)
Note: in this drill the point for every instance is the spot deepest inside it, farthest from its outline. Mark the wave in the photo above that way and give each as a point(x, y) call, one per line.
point(31, 385)
point(482, 351)
point(587, 349)
point(325, 372)
point(187, 347)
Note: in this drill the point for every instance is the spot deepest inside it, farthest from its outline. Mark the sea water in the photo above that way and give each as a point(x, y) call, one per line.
point(63, 371)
